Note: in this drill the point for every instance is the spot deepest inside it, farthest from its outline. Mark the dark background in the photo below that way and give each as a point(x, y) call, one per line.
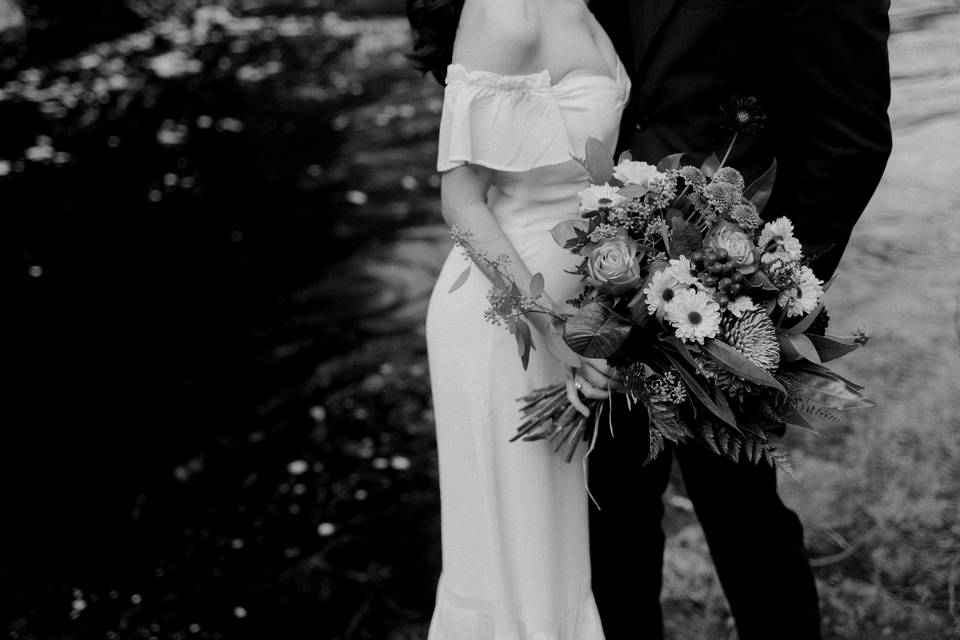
point(220, 227)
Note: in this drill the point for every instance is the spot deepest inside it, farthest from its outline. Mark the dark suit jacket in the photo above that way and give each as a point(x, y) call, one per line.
point(818, 67)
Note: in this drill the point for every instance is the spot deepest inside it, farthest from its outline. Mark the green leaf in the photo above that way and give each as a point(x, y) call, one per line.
point(524, 342)
point(740, 365)
point(832, 347)
point(536, 285)
point(759, 191)
point(759, 280)
point(826, 390)
point(710, 165)
point(670, 163)
point(788, 352)
point(794, 418)
point(820, 370)
point(806, 321)
point(638, 306)
point(804, 347)
point(596, 331)
point(685, 238)
point(633, 191)
point(460, 279)
point(568, 230)
point(721, 409)
point(681, 348)
point(599, 162)
point(673, 214)
point(625, 156)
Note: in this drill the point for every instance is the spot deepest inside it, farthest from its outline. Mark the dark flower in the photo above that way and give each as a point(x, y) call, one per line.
point(743, 115)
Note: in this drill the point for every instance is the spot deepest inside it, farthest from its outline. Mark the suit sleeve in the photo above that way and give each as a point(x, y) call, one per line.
point(835, 89)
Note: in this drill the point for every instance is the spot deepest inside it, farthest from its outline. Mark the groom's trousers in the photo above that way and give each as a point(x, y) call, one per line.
point(756, 542)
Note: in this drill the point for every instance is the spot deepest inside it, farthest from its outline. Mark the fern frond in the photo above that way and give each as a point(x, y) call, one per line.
point(747, 447)
point(656, 445)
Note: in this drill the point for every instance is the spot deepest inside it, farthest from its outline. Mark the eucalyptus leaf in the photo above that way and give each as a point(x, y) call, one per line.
point(596, 331)
point(524, 342)
point(740, 365)
point(710, 165)
point(462, 278)
point(670, 163)
point(599, 162)
point(566, 230)
point(759, 191)
point(536, 285)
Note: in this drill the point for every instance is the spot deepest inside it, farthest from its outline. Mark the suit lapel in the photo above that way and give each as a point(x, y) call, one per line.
point(649, 17)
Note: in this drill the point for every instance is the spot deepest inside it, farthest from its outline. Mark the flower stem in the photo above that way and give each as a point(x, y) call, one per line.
point(726, 156)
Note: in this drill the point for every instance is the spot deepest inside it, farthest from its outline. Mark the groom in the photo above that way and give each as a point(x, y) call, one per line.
point(819, 70)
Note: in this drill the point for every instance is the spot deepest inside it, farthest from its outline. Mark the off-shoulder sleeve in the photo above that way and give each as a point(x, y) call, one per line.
point(505, 123)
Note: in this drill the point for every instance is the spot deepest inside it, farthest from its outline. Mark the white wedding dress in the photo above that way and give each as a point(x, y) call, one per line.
point(516, 561)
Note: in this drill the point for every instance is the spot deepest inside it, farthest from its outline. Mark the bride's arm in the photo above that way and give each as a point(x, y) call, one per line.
point(463, 204)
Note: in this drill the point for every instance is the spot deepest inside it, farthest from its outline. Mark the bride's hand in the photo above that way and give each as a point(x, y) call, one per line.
point(591, 377)
point(596, 379)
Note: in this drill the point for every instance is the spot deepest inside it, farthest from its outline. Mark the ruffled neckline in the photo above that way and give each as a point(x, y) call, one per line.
point(539, 80)
point(536, 81)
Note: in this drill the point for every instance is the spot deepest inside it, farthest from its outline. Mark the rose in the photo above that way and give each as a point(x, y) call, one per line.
point(613, 264)
point(738, 245)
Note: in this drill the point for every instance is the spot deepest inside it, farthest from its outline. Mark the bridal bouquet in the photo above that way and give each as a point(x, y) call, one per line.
point(712, 316)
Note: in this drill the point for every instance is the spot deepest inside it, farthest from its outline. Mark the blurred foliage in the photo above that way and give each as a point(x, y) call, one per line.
point(171, 197)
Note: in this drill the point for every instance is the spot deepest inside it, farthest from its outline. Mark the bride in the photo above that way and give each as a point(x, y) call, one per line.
point(527, 81)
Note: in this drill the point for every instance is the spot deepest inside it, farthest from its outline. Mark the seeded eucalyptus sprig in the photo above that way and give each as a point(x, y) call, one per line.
point(509, 304)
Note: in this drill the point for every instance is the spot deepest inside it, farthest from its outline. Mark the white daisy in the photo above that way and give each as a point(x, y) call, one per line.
point(777, 241)
point(740, 306)
point(681, 268)
point(695, 315)
point(804, 298)
point(661, 290)
point(638, 173)
point(599, 195)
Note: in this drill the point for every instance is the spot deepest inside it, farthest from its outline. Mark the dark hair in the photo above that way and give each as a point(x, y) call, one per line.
point(434, 24)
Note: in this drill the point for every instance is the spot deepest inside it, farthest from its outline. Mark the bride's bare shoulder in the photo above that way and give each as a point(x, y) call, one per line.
point(500, 36)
